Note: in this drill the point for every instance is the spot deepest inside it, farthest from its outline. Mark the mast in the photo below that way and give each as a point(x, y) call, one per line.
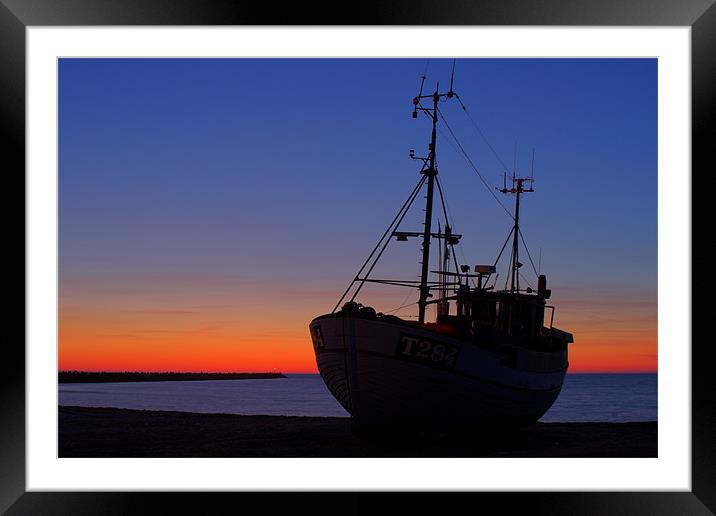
point(443, 306)
point(515, 280)
point(517, 189)
point(430, 172)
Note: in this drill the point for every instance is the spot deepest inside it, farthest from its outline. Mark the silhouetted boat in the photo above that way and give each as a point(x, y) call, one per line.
point(494, 361)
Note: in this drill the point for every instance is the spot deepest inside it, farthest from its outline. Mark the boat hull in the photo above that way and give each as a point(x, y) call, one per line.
point(391, 372)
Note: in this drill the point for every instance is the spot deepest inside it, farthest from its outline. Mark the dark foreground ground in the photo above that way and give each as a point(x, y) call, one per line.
point(108, 432)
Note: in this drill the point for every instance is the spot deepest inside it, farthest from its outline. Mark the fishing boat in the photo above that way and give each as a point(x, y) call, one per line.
point(491, 356)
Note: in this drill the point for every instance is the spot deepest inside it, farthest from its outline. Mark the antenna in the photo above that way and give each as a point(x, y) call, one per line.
point(450, 93)
point(514, 163)
point(539, 263)
point(416, 100)
point(532, 170)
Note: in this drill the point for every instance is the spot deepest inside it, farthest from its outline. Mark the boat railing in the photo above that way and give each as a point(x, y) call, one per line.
point(547, 331)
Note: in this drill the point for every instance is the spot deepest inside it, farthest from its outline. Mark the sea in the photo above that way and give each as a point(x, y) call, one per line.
point(584, 398)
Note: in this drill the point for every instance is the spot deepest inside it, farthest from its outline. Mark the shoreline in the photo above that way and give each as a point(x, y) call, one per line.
point(114, 432)
point(135, 376)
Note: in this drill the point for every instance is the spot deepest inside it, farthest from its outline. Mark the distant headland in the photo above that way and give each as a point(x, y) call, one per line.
point(135, 376)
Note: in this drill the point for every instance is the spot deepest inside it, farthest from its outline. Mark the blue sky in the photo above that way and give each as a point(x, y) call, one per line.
point(284, 172)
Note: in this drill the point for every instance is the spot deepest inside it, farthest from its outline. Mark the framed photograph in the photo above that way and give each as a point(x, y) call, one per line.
point(128, 113)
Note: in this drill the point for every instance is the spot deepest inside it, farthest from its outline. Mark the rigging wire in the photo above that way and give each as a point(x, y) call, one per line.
point(526, 280)
point(452, 247)
point(500, 255)
point(507, 276)
point(484, 182)
point(387, 241)
point(482, 179)
point(504, 245)
point(528, 252)
point(400, 307)
point(408, 203)
point(470, 162)
point(480, 132)
point(445, 214)
point(460, 247)
point(402, 303)
point(403, 210)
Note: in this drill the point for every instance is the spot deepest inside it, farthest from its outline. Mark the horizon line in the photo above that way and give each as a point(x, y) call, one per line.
point(293, 372)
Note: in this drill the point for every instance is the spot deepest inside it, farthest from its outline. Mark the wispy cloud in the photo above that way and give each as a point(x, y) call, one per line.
point(163, 312)
point(202, 331)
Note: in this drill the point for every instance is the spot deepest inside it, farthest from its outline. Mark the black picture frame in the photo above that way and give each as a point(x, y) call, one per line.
point(700, 15)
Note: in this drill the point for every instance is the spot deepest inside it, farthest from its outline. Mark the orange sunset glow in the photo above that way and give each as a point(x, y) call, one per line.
point(132, 328)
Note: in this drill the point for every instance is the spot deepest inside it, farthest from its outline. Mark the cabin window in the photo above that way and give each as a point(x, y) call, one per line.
point(500, 315)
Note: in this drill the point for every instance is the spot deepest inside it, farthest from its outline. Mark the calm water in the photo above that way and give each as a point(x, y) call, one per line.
point(584, 397)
